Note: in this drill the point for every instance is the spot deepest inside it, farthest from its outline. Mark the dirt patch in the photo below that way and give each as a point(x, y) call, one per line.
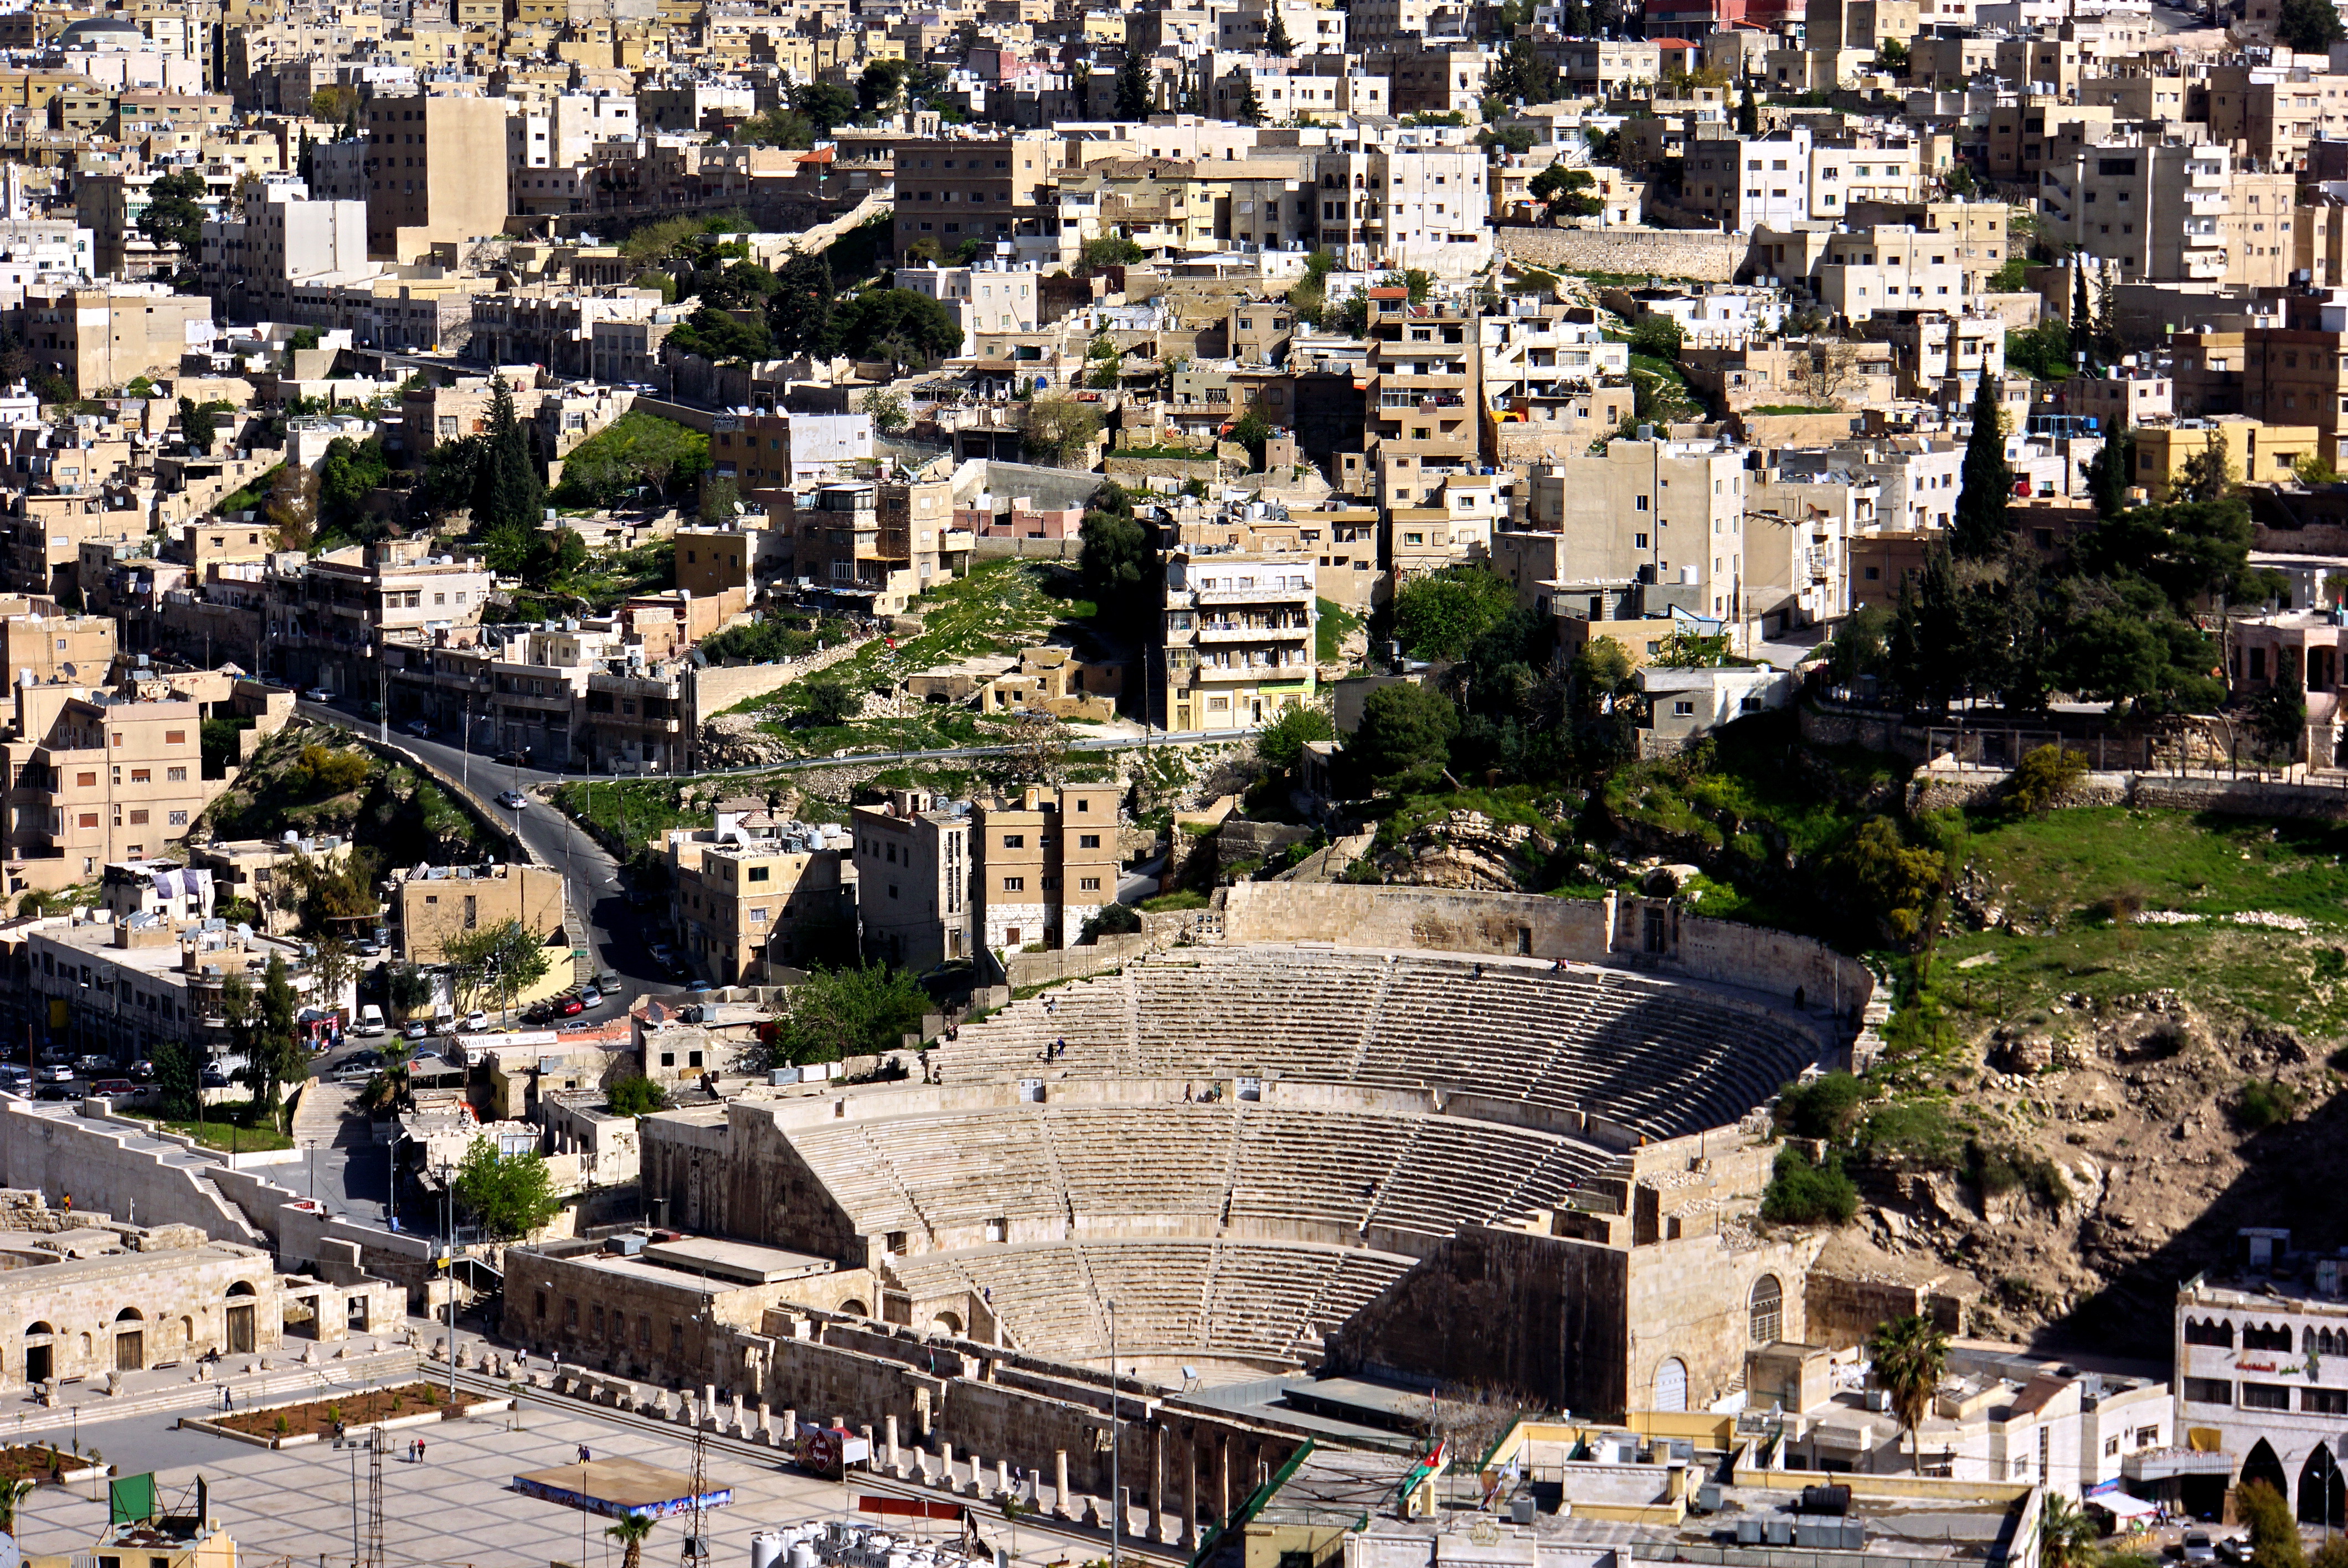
point(25, 1463)
point(318, 1417)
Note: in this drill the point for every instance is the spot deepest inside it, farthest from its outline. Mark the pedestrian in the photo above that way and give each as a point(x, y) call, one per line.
point(583, 1455)
point(228, 1401)
point(419, 1450)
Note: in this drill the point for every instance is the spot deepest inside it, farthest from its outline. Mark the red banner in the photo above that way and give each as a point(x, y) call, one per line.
point(909, 1507)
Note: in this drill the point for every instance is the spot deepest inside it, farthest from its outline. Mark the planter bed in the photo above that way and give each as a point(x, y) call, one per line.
point(310, 1420)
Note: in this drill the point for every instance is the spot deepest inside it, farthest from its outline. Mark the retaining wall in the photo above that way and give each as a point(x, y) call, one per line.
point(93, 1161)
point(1709, 258)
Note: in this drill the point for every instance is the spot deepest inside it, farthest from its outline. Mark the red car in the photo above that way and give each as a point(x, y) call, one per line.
point(569, 1007)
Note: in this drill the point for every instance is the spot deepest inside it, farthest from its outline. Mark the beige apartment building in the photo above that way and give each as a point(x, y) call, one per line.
point(1236, 639)
point(100, 338)
point(1670, 511)
point(436, 172)
point(1422, 387)
point(954, 189)
point(748, 897)
point(52, 647)
point(2171, 212)
point(435, 905)
point(913, 888)
point(1042, 862)
point(96, 778)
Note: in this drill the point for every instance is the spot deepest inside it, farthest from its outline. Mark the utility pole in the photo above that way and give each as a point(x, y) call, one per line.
point(449, 1262)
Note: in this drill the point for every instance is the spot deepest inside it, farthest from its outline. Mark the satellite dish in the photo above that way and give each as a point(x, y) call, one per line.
point(920, 104)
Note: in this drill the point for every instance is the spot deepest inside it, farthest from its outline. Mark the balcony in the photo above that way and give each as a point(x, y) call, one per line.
point(1268, 594)
point(1233, 632)
point(1248, 674)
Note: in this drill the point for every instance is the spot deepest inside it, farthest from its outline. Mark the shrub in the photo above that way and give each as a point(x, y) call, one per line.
point(1825, 1107)
point(1111, 920)
point(832, 702)
point(2267, 1105)
point(2042, 777)
point(1801, 1193)
point(1914, 1135)
point(1998, 1171)
point(2274, 1528)
point(281, 1426)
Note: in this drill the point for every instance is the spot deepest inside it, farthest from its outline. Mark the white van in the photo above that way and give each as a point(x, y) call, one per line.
point(370, 1023)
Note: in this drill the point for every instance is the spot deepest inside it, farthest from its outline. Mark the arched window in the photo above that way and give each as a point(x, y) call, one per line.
point(2267, 1337)
point(1765, 1312)
point(2210, 1331)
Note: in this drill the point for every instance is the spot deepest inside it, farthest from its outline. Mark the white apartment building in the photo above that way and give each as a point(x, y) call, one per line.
point(1424, 208)
point(1533, 356)
point(1670, 511)
point(988, 298)
point(1788, 176)
point(1311, 29)
point(563, 132)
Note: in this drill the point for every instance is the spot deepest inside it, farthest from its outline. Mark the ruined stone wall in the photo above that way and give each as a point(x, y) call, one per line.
point(1708, 258)
point(1689, 1300)
point(1540, 1315)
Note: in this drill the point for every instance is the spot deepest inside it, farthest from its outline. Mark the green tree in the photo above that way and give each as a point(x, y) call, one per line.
point(831, 702)
point(1893, 881)
point(1281, 743)
point(350, 473)
point(1249, 110)
point(174, 215)
point(635, 451)
point(391, 1087)
point(722, 336)
point(838, 1013)
point(1960, 183)
point(265, 1036)
point(1119, 565)
point(408, 989)
point(1252, 430)
point(511, 497)
point(2067, 1536)
point(176, 1078)
point(630, 1533)
point(2277, 715)
point(200, 422)
point(1566, 191)
point(2042, 777)
point(513, 1196)
point(1893, 53)
point(827, 105)
point(1523, 73)
point(800, 310)
point(1660, 336)
point(1060, 429)
point(2083, 315)
point(2205, 475)
point(2309, 26)
point(720, 496)
point(2110, 473)
point(897, 326)
point(886, 409)
point(1107, 251)
point(1908, 1355)
point(1134, 87)
point(634, 1094)
point(1403, 736)
point(1439, 615)
point(493, 964)
point(554, 556)
point(2274, 1528)
point(781, 126)
point(1275, 35)
point(878, 88)
point(1983, 522)
point(1802, 1193)
point(1749, 112)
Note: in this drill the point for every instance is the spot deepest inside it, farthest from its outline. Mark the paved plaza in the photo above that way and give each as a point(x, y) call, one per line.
point(295, 1505)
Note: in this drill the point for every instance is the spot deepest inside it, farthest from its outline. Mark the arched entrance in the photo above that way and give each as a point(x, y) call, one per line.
point(947, 1323)
point(2323, 1497)
point(2263, 1465)
point(854, 1307)
point(40, 1357)
point(129, 1341)
point(239, 1319)
point(1671, 1384)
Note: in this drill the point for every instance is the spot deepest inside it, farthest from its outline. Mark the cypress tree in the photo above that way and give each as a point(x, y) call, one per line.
point(1133, 95)
point(512, 495)
point(2083, 315)
point(1983, 525)
point(1748, 113)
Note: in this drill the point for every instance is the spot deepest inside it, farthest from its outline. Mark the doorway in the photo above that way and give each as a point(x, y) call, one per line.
point(130, 1342)
point(40, 1363)
point(239, 1330)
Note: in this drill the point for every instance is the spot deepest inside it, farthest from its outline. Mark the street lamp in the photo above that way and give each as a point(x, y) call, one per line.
point(448, 1174)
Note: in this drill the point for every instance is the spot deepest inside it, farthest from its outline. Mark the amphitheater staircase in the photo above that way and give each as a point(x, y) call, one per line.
point(1060, 1183)
point(888, 1169)
point(1370, 1016)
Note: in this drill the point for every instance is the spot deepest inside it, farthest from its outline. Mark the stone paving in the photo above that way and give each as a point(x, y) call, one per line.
point(293, 1506)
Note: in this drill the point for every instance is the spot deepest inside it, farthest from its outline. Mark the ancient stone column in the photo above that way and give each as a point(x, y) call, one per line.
point(1002, 1478)
point(891, 1430)
point(1060, 1484)
point(1223, 1476)
point(1188, 1535)
point(945, 1465)
point(790, 1426)
point(1156, 1530)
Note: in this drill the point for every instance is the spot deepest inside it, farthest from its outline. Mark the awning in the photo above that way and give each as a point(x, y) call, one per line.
point(2120, 1505)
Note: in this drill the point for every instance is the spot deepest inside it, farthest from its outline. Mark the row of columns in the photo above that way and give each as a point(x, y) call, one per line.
point(1164, 1458)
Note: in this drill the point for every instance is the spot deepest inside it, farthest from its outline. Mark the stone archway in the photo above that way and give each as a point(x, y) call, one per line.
point(129, 1340)
point(2322, 1496)
point(2263, 1465)
point(1671, 1384)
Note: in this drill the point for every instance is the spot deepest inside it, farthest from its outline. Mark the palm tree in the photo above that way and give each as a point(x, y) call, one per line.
point(2067, 1534)
point(630, 1533)
point(1909, 1354)
point(13, 1494)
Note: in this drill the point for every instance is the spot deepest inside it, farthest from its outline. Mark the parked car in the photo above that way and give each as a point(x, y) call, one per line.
point(115, 1088)
point(589, 996)
point(142, 1073)
point(537, 1012)
point(569, 1007)
point(418, 728)
point(56, 1073)
point(53, 1091)
point(2198, 1547)
point(318, 695)
point(512, 759)
point(446, 1024)
point(695, 988)
point(211, 1077)
point(94, 1063)
point(366, 1059)
point(415, 1030)
point(475, 1022)
point(368, 950)
point(512, 799)
point(607, 980)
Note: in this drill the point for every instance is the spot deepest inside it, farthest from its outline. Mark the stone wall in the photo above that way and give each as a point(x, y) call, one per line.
point(1708, 258)
point(92, 1160)
point(1026, 549)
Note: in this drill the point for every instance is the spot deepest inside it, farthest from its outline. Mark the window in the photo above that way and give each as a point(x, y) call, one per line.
point(1089, 841)
point(1014, 884)
point(175, 776)
point(85, 781)
point(1683, 710)
point(137, 819)
point(170, 738)
point(2266, 1396)
point(90, 819)
point(1088, 884)
point(2209, 1391)
point(759, 873)
point(2324, 1401)
point(2210, 1331)
point(2266, 1337)
point(1765, 1311)
point(178, 819)
point(1015, 841)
